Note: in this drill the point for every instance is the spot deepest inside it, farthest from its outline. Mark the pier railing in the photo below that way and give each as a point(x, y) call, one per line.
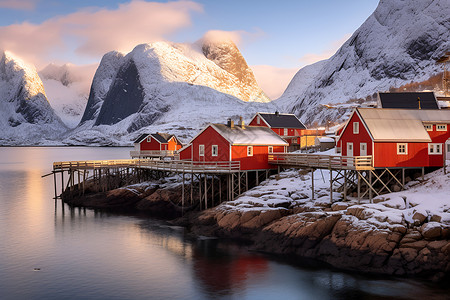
point(322, 161)
point(153, 153)
point(165, 165)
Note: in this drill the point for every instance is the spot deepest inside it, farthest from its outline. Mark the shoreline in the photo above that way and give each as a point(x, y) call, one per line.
point(366, 238)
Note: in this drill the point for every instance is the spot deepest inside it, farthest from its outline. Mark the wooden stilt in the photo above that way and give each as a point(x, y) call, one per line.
point(359, 187)
point(331, 186)
point(345, 185)
point(312, 184)
point(370, 187)
point(54, 184)
point(206, 194)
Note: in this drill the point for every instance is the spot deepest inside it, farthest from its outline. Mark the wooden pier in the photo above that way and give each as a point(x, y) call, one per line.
point(202, 183)
point(350, 172)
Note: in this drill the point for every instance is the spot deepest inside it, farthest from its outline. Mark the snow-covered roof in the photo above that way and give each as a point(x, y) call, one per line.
point(325, 139)
point(249, 135)
point(279, 120)
point(400, 125)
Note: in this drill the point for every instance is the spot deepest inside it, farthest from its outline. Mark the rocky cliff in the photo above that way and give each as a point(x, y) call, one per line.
point(397, 44)
point(26, 117)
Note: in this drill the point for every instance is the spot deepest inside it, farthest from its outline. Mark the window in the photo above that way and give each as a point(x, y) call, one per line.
point(285, 131)
point(249, 150)
point(214, 150)
point(149, 139)
point(441, 127)
point(270, 149)
point(428, 127)
point(402, 148)
point(201, 150)
point(258, 120)
point(434, 148)
point(355, 127)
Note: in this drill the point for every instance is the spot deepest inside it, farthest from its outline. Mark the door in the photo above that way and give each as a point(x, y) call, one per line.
point(363, 149)
point(349, 153)
point(349, 149)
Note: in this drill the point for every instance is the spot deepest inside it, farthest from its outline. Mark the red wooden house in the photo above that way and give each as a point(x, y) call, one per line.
point(398, 138)
point(223, 143)
point(155, 144)
point(288, 126)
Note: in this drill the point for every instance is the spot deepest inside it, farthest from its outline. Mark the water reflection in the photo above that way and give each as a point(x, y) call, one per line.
point(87, 254)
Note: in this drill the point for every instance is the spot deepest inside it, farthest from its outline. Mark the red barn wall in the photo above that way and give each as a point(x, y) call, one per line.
point(186, 153)
point(152, 145)
point(348, 137)
point(208, 138)
point(258, 161)
point(254, 123)
point(386, 156)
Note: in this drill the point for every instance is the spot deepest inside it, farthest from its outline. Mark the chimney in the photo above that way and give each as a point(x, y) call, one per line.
point(277, 113)
point(418, 100)
point(241, 122)
point(230, 123)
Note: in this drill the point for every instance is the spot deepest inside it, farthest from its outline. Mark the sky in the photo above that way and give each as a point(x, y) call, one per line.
point(276, 38)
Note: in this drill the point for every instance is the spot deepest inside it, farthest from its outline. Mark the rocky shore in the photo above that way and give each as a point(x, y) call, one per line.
point(405, 233)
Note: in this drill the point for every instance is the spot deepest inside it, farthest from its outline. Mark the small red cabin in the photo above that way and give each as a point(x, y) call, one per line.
point(402, 138)
point(248, 145)
point(155, 144)
point(288, 126)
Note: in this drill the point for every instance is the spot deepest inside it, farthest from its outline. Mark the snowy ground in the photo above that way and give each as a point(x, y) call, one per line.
point(422, 202)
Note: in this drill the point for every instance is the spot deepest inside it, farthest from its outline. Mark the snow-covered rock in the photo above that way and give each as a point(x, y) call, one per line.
point(26, 117)
point(67, 87)
point(171, 87)
point(397, 44)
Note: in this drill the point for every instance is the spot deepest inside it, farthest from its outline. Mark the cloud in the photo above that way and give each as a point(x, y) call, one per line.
point(239, 37)
point(92, 32)
point(18, 4)
point(272, 80)
point(311, 58)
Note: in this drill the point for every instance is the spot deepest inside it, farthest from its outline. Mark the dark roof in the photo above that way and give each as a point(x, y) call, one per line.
point(277, 120)
point(141, 138)
point(162, 137)
point(408, 100)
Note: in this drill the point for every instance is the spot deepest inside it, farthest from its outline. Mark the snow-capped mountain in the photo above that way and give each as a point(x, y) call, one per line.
point(26, 116)
point(170, 87)
point(67, 87)
point(397, 44)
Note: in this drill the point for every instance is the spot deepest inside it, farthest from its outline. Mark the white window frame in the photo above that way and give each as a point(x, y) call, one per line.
point(149, 139)
point(355, 127)
point(285, 132)
point(428, 127)
point(434, 149)
point(401, 152)
point(443, 127)
point(214, 150)
point(201, 150)
point(270, 149)
point(249, 150)
point(258, 120)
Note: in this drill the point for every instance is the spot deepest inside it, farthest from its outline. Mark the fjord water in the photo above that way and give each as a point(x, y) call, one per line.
point(50, 251)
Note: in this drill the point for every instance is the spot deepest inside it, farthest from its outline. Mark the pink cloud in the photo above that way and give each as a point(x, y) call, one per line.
point(272, 80)
point(239, 37)
point(18, 4)
point(93, 32)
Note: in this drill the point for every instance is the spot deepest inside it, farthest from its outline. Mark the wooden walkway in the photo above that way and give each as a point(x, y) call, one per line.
point(177, 166)
point(317, 161)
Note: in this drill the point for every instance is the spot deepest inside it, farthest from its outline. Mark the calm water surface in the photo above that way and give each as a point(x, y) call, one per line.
point(53, 252)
